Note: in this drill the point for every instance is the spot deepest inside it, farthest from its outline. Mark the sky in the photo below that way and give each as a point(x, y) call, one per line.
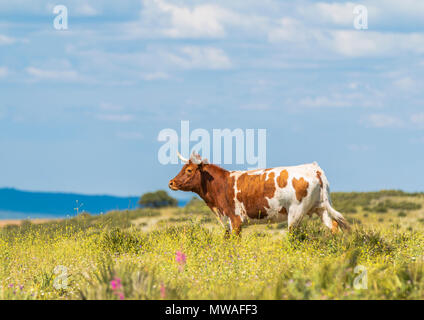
point(81, 109)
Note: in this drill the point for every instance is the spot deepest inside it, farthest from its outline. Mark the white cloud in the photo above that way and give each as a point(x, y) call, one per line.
point(336, 13)
point(309, 39)
point(342, 100)
point(323, 101)
point(155, 76)
point(255, 106)
point(394, 10)
point(44, 74)
point(353, 85)
point(4, 40)
point(380, 12)
point(86, 9)
point(159, 18)
point(418, 118)
point(191, 57)
point(130, 135)
point(114, 117)
point(139, 65)
point(202, 20)
point(110, 112)
point(416, 140)
point(405, 83)
point(358, 147)
point(3, 72)
point(110, 107)
point(353, 43)
point(383, 121)
point(291, 30)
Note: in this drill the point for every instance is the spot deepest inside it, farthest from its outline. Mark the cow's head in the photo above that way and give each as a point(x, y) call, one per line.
point(190, 176)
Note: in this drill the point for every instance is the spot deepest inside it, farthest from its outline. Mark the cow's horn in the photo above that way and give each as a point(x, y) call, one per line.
point(197, 159)
point(181, 157)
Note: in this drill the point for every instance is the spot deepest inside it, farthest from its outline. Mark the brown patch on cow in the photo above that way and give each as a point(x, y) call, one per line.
point(335, 227)
point(282, 179)
point(301, 187)
point(319, 178)
point(253, 191)
point(283, 211)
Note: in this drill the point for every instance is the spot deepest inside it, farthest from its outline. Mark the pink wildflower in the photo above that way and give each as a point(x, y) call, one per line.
point(116, 284)
point(180, 257)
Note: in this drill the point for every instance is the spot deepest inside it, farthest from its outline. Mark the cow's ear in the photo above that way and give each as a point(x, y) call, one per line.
point(203, 166)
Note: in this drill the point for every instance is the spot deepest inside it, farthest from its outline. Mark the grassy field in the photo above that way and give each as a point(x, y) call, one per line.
point(180, 253)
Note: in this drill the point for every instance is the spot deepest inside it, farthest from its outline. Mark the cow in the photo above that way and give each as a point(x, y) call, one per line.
point(278, 194)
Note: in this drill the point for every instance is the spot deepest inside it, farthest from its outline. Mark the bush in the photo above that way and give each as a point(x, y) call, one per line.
point(121, 241)
point(383, 207)
point(157, 199)
point(196, 206)
point(348, 201)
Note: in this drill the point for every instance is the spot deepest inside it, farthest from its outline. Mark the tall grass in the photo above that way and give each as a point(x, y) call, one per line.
point(184, 256)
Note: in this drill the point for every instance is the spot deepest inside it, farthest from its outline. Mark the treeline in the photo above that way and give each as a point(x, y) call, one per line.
point(348, 202)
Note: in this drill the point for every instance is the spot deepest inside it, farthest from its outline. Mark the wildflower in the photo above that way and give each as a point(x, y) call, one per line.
point(121, 295)
point(11, 285)
point(162, 291)
point(180, 257)
point(116, 284)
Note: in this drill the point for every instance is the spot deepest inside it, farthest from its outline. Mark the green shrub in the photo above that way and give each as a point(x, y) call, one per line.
point(122, 241)
point(157, 199)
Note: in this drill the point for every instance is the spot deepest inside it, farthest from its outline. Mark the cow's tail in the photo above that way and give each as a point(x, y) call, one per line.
point(326, 200)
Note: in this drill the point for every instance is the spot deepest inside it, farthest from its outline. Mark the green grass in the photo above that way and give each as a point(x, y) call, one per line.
point(266, 263)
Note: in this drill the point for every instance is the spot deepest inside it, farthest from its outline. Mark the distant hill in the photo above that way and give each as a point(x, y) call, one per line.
point(60, 204)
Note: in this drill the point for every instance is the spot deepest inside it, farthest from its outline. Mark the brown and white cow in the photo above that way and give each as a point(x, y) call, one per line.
point(260, 196)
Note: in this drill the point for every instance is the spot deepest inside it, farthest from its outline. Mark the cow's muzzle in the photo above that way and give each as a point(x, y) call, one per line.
point(172, 185)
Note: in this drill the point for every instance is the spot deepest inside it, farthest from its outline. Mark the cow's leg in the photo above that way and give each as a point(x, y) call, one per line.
point(326, 219)
point(226, 222)
point(295, 217)
point(219, 217)
point(236, 224)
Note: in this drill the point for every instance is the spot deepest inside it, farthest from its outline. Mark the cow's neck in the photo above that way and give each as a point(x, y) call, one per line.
point(214, 185)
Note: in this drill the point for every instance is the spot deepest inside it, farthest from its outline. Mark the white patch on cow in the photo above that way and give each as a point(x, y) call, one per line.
point(239, 208)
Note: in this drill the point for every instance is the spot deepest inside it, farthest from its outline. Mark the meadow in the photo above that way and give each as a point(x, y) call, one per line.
point(181, 253)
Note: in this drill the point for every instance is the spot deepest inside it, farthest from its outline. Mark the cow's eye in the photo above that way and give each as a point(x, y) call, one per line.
point(189, 170)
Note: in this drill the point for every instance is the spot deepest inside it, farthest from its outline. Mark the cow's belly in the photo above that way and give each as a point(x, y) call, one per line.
point(279, 206)
point(270, 218)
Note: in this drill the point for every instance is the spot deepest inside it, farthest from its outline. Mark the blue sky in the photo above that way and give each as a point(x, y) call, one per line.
point(81, 109)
